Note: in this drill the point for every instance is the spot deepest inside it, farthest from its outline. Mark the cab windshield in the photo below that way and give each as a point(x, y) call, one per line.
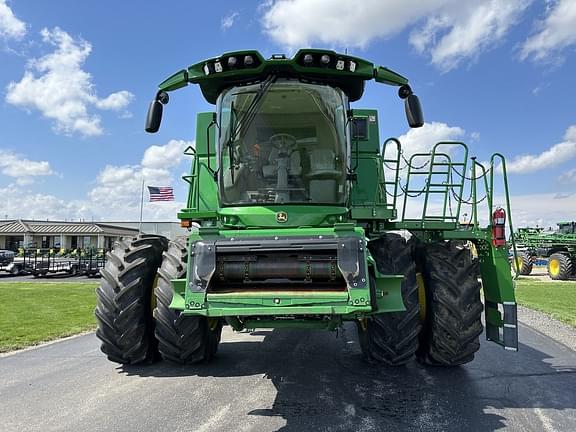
point(284, 142)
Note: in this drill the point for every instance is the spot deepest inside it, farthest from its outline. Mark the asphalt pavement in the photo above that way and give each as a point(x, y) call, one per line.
point(289, 380)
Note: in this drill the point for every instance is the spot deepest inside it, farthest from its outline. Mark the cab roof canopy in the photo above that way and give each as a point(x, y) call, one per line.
point(314, 65)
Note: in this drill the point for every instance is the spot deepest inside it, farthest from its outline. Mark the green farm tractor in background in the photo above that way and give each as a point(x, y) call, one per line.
point(559, 247)
point(299, 217)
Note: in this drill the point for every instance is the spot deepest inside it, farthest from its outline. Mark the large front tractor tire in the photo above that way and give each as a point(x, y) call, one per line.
point(392, 338)
point(125, 300)
point(560, 266)
point(181, 339)
point(453, 308)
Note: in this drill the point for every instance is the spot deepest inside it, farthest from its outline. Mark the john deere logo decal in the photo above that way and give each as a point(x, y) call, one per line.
point(281, 217)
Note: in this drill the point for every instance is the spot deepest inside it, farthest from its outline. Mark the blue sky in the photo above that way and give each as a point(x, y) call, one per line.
point(76, 79)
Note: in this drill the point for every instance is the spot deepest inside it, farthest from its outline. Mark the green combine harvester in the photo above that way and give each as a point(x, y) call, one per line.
point(299, 217)
point(559, 247)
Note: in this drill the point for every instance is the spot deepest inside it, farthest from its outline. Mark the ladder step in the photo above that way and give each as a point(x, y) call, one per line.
point(449, 163)
point(428, 172)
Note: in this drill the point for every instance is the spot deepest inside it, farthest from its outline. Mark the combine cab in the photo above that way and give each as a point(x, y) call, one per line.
point(300, 218)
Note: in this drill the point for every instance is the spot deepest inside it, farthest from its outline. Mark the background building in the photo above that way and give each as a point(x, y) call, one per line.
point(170, 230)
point(22, 233)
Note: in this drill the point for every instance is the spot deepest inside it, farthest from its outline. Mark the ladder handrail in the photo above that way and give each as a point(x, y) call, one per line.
point(464, 147)
point(195, 191)
point(397, 169)
point(437, 158)
point(507, 195)
point(473, 181)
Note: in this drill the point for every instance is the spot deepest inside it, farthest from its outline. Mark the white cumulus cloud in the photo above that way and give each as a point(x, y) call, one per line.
point(228, 21)
point(421, 140)
point(22, 169)
point(119, 187)
point(115, 101)
point(568, 176)
point(544, 210)
point(555, 155)
point(449, 31)
point(58, 87)
point(465, 30)
point(166, 156)
point(296, 23)
point(115, 194)
point(19, 202)
point(555, 33)
point(10, 26)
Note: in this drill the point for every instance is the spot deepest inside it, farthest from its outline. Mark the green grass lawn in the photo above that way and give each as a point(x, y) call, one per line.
point(33, 312)
point(557, 299)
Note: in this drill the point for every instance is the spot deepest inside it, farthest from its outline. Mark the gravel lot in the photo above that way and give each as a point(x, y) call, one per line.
point(548, 326)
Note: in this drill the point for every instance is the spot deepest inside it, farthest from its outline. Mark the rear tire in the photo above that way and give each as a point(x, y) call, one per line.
point(181, 339)
point(453, 324)
point(560, 266)
point(526, 264)
point(124, 312)
point(392, 338)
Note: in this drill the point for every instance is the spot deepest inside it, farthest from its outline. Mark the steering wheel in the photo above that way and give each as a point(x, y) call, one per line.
point(284, 143)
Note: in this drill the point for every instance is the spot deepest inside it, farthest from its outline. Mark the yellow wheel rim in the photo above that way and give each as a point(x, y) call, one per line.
point(421, 296)
point(554, 267)
point(473, 249)
point(518, 264)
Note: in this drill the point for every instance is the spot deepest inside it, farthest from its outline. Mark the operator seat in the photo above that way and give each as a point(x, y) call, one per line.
point(323, 176)
point(295, 168)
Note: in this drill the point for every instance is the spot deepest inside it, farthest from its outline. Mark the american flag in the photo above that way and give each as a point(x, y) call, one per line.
point(161, 193)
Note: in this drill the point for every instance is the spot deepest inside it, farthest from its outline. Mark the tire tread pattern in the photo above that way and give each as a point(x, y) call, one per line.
point(392, 338)
point(123, 311)
point(526, 264)
point(181, 339)
point(454, 309)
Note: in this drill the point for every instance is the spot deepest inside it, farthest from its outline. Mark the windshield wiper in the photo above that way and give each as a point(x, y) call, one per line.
point(250, 113)
point(247, 118)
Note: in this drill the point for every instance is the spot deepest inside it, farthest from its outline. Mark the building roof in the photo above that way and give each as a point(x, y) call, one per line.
point(16, 227)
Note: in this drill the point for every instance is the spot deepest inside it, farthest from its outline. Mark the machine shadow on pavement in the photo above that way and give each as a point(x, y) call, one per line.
point(322, 383)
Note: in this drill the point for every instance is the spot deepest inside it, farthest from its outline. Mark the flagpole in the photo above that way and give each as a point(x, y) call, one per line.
point(141, 207)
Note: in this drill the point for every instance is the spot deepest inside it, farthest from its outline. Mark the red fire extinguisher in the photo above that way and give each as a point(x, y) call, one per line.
point(498, 231)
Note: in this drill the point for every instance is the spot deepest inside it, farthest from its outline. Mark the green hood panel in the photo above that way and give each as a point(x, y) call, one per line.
point(281, 216)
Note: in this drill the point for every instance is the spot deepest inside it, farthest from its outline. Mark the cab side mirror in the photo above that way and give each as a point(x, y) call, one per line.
point(412, 106)
point(414, 111)
point(154, 117)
